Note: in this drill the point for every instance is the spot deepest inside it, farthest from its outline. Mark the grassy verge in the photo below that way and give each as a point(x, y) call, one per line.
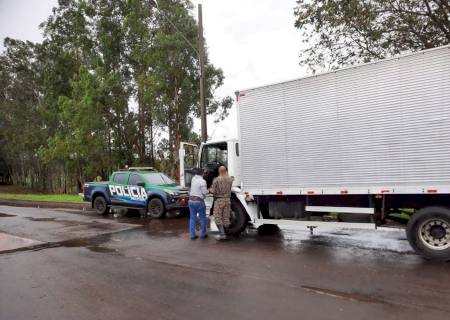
point(43, 197)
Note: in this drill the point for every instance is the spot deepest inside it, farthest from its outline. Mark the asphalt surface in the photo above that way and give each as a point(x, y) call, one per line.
point(62, 264)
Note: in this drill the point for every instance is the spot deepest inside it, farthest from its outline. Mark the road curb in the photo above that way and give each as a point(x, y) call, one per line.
point(45, 204)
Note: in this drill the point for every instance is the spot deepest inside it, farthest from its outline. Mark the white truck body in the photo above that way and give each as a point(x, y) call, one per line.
point(347, 148)
point(381, 127)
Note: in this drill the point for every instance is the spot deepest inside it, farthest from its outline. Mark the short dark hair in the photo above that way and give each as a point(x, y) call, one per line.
point(197, 171)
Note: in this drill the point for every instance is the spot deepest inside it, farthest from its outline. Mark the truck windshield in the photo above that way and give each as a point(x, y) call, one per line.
point(158, 178)
point(214, 154)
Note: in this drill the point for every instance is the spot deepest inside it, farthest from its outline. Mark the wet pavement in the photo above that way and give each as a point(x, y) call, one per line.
point(85, 266)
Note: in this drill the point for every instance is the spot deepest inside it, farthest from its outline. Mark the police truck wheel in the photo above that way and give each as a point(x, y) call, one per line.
point(100, 205)
point(238, 219)
point(155, 208)
point(428, 232)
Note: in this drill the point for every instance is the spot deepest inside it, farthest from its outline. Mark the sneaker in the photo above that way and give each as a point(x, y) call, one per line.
point(204, 237)
point(194, 237)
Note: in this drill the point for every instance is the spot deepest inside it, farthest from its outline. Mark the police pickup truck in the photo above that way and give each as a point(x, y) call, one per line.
point(137, 188)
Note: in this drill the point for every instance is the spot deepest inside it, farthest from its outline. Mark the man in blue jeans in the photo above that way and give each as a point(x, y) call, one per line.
point(197, 204)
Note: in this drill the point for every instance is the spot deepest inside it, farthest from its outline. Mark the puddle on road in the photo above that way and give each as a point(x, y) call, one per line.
point(92, 244)
point(343, 295)
point(73, 223)
point(101, 249)
point(338, 233)
point(41, 219)
point(5, 215)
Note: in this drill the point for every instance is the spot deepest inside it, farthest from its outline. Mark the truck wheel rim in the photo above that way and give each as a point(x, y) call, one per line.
point(100, 206)
point(155, 209)
point(435, 234)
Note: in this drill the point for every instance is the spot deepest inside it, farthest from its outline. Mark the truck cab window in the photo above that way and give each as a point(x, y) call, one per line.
point(214, 154)
point(190, 158)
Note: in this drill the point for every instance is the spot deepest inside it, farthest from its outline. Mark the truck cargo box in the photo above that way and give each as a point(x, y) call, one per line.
point(374, 128)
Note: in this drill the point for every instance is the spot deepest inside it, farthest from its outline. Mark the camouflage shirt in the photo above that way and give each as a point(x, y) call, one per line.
point(221, 186)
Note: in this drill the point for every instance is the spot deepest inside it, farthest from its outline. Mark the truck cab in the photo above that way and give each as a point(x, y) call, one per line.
point(209, 156)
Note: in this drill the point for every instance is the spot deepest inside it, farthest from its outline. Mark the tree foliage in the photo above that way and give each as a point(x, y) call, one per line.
point(112, 84)
point(343, 32)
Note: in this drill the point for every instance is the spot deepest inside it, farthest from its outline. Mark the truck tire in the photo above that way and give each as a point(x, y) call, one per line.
point(155, 208)
point(428, 232)
point(100, 206)
point(238, 219)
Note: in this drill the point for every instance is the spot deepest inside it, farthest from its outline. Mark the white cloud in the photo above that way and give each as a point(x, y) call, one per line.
point(20, 19)
point(253, 41)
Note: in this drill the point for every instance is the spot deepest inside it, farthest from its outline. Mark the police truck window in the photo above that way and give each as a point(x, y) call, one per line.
point(119, 178)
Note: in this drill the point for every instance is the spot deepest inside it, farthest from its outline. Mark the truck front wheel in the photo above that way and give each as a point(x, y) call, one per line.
point(238, 219)
point(100, 206)
point(428, 232)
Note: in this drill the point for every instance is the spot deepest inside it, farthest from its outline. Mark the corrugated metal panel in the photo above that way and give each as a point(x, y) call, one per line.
point(386, 123)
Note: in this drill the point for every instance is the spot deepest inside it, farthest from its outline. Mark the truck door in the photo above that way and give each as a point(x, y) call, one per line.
point(188, 155)
point(213, 156)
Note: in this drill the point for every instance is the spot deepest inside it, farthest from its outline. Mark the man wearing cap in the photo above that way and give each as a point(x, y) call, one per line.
point(197, 204)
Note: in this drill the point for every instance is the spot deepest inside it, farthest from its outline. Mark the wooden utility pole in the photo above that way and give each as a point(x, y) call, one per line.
point(201, 59)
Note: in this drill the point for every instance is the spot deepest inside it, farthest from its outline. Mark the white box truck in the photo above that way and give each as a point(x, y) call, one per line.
point(360, 143)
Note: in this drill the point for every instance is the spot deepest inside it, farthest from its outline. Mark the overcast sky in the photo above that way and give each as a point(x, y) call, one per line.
point(253, 41)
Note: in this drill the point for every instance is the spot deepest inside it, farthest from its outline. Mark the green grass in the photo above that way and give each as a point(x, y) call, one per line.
point(73, 198)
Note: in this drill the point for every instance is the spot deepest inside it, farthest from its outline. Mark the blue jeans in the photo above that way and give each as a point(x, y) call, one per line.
point(194, 208)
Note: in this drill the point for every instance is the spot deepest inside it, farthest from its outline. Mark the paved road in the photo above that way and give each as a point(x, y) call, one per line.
point(72, 265)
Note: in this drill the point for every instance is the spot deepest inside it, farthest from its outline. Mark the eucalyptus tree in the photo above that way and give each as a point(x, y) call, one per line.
point(87, 100)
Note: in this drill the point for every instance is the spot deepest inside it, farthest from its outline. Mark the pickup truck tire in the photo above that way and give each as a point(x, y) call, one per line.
point(428, 232)
point(155, 208)
point(238, 219)
point(100, 206)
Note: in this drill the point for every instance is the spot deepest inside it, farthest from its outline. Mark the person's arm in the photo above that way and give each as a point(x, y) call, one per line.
point(212, 189)
point(203, 188)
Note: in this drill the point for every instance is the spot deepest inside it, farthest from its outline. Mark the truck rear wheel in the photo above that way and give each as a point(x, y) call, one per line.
point(428, 232)
point(100, 206)
point(238, 219)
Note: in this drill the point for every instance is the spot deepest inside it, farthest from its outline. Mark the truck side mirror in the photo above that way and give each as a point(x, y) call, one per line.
point(140, 183)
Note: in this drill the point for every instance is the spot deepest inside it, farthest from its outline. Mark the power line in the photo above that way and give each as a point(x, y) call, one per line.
point(201, 59)
point(155, 4)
